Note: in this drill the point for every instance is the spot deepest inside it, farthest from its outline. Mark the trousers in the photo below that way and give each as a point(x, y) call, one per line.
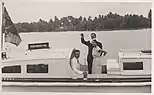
point(90, 62)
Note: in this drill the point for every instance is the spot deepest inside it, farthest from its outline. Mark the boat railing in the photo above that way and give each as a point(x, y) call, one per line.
point(133, 51)
point(130, 50)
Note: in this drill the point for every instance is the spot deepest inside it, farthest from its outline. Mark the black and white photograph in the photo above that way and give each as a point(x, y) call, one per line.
point(76, 47)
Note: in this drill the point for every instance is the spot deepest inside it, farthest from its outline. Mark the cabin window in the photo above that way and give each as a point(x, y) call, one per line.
point(11, 69)
point(37, 68)
point(133, 65)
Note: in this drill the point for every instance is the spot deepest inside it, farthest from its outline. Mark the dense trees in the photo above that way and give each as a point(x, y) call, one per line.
point(99, 23)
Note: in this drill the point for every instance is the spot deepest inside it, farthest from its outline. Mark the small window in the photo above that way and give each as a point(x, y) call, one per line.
point(11, 69)
point(37, 68)
point(133, 65)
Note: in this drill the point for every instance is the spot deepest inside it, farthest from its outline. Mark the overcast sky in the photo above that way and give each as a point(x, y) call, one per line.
point(24, 10)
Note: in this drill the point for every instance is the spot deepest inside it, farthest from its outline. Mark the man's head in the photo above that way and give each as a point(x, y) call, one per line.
point(94, 43)
point(77, 54)
point(93, 35)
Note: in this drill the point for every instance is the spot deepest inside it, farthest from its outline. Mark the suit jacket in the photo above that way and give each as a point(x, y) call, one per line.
point(90, 48)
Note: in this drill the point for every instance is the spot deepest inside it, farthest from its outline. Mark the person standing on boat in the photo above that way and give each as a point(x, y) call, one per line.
point(90, 48)
point(97, 58)
point(76, 63)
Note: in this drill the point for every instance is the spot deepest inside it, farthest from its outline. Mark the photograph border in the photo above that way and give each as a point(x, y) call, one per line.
point(70, 93)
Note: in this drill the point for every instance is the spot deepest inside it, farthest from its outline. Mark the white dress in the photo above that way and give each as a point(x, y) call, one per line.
point(74, 69)
point(97, 61)
point(76, 66)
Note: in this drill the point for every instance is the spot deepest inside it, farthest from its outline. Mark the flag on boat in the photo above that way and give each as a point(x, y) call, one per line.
point(11, 33)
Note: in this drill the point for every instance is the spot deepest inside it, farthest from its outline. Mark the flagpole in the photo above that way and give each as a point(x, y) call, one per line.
point(2, 28)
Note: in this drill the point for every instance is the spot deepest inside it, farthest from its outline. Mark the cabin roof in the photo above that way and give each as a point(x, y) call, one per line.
point(134, 54)
point(40, 54)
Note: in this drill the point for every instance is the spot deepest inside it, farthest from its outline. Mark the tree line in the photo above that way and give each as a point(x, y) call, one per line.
point(111, 21)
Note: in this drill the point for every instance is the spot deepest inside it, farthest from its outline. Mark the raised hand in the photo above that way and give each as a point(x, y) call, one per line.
point(82, 35)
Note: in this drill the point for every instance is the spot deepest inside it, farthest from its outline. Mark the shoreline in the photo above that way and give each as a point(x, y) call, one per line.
point(88, 31)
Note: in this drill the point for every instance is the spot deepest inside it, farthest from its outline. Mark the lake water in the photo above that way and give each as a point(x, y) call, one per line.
point(113, 41)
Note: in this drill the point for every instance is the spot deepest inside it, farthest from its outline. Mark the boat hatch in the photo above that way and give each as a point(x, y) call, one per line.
point(135, 63)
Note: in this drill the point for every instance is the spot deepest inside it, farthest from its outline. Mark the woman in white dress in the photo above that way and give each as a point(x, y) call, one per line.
point(97, 61)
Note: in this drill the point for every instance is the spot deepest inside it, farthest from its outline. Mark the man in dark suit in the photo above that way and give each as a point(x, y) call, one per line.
point(90, 48)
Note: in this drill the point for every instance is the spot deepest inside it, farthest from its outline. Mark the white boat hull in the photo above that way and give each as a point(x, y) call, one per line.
point(144, 87)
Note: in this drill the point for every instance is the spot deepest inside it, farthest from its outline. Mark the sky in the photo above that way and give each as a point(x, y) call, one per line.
point(33, 10)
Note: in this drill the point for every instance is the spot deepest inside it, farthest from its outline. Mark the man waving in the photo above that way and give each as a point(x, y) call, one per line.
point(90, 48)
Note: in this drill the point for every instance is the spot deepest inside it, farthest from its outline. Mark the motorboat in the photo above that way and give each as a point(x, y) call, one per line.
point(42, 66)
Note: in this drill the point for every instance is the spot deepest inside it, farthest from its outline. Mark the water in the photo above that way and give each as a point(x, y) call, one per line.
point(113, 41)
point(115, 89)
